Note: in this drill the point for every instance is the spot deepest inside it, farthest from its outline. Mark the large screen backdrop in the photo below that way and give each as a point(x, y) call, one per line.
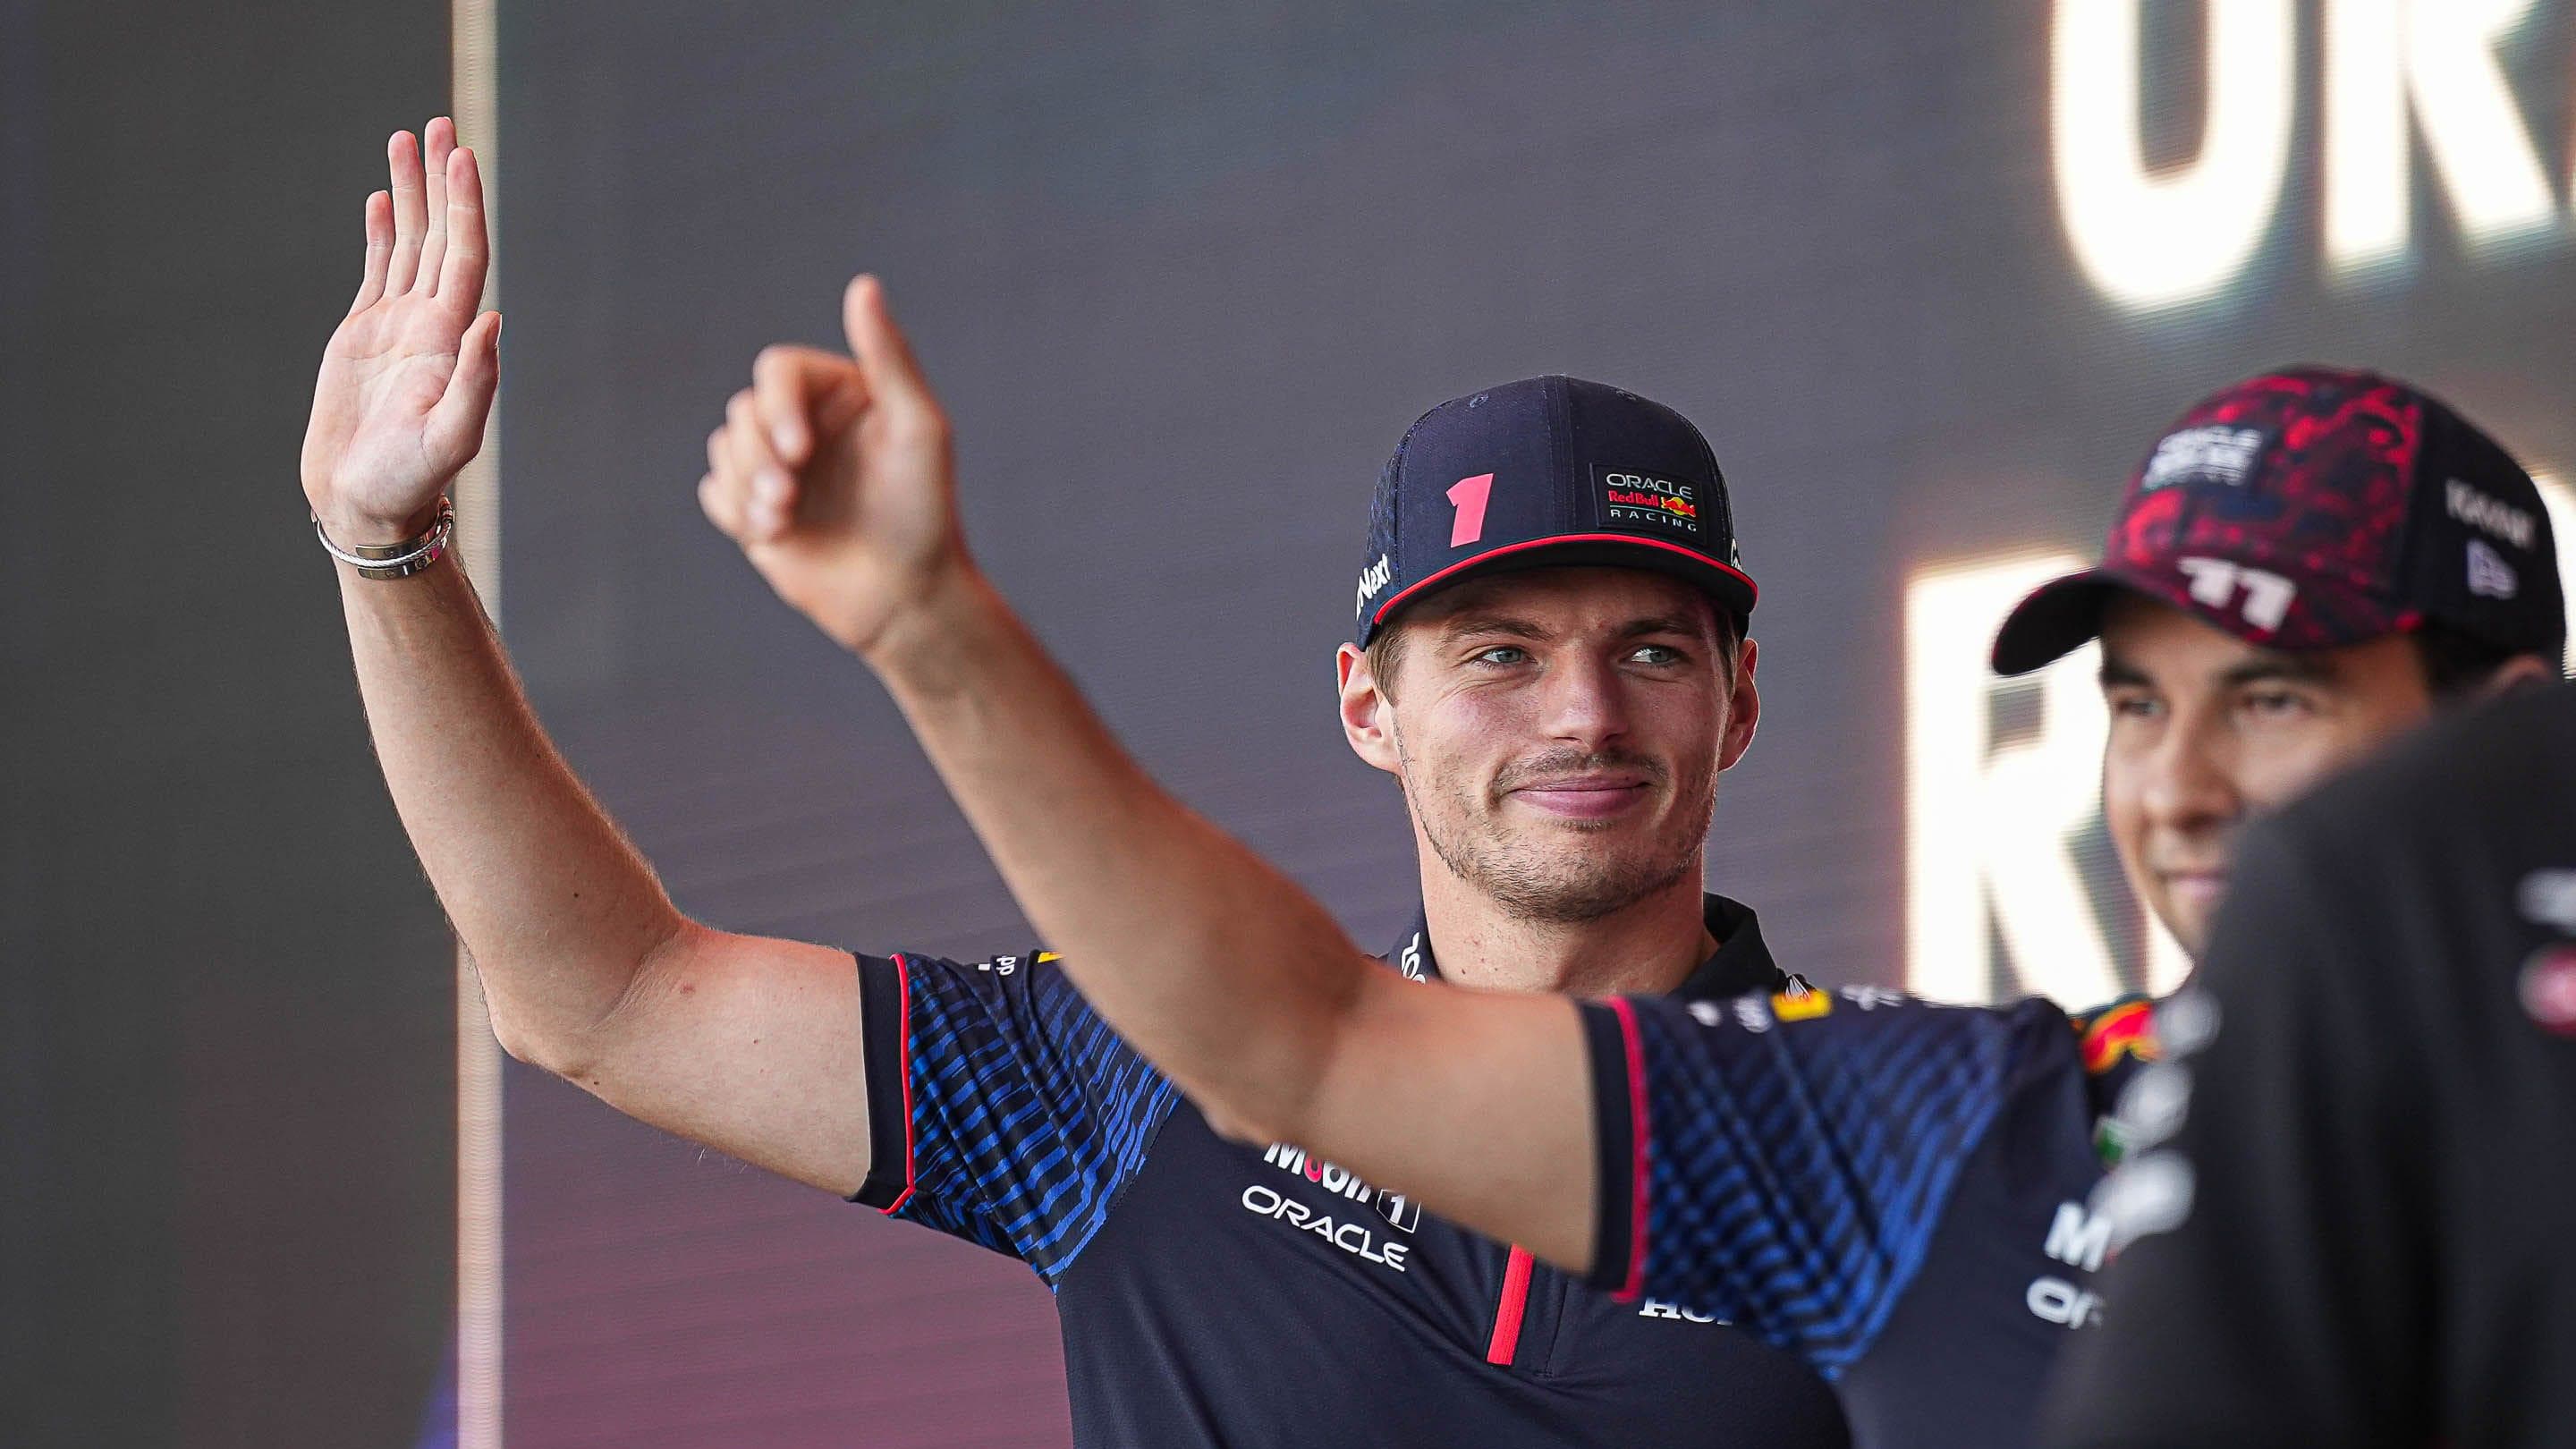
point(1931, 279)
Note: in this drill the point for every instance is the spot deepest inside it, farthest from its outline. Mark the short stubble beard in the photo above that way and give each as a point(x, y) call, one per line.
point(1559, 883)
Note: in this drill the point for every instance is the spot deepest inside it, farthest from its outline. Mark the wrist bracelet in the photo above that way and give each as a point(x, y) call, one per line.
point(396, 560)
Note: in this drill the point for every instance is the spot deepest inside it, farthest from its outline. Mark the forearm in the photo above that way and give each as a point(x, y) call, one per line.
point(1228, 975)
point(1215, 965)
point(559, 911)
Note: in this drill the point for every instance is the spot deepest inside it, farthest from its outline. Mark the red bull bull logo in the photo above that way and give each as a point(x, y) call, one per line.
point(2125, 1030)
point(1678, 507)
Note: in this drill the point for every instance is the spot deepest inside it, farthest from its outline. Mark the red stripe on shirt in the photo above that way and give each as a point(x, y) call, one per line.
point(903, 988)
point(1635, 1280)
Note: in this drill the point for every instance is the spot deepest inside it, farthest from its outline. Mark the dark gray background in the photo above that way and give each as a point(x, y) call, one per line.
point(227, 1163)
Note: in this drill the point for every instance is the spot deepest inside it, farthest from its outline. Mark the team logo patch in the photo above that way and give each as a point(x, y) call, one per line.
point(1640, 502)
point(2220, 456)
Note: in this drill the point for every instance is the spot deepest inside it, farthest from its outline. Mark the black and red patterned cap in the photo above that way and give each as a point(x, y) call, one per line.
point(2313, 508)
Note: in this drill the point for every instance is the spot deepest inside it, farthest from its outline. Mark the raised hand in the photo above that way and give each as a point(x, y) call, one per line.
point(407, 379)
point(834, 475)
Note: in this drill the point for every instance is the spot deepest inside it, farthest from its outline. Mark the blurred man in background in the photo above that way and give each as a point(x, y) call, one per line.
point(2308, 563)
point(1210, 1292)
point(2351, 1177)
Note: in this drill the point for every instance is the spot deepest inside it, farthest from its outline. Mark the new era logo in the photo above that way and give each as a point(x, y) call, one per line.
point(2490, 577)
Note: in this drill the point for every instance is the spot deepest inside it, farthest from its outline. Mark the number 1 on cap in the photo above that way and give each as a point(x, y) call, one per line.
point(1468, 496)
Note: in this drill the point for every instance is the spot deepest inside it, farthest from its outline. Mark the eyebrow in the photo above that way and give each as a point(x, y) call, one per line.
point(2120, 672)
point(2271, 665)
point(1664, 624)
point(1466, 626)
point(2296, 668)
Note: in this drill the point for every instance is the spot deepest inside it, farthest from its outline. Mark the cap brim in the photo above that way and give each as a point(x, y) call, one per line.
point(1733, 589)
point(2053, 621)
point(2063, 614)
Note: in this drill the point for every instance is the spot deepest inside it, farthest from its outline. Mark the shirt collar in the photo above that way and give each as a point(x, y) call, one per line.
point(1742, 963)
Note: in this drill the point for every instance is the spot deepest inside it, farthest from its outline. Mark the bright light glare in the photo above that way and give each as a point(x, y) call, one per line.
point(2388, 59)
point(2155, 240)
point(2561, 502)
point(1990, 826)
point(2366, 171)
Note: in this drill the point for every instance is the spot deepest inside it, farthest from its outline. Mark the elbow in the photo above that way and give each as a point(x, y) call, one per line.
point(553, 1052)
point(573, 1038)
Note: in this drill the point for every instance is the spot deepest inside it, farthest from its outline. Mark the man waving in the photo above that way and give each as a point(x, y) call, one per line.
point(985, 1099)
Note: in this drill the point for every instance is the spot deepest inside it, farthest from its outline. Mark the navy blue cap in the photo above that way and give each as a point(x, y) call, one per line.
point(1542, 473)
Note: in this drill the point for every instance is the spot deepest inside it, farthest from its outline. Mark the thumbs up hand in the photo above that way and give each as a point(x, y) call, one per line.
point(834, 474)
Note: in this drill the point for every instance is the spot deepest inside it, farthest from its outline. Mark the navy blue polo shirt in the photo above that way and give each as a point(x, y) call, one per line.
point(1223, 1293)
point(1894, 1190)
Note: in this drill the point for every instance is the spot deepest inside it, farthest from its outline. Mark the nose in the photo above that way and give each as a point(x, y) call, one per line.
point(2188, 783)
point(1583, 701)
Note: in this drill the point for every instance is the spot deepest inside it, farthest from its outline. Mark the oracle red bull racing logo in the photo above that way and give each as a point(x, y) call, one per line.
point(1643, 498)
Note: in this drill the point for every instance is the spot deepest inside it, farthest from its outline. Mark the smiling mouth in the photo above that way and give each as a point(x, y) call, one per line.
point(2195, 882)
point(1589, 798)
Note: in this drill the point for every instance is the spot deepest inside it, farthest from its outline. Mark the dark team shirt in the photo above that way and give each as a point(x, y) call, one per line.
point(1218, 1293)
point(1894, 1190)
point(2355, 1188)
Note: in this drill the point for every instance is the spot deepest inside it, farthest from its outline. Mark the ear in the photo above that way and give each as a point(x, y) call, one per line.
point(1746, 711)
point(2515, 673)
point(1368, 716)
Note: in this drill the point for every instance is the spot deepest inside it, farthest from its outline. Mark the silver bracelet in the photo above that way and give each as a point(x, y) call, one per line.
point(397, 560)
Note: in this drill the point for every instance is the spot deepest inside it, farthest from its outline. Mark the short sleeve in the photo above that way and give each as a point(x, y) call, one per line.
point(1001, 1109)
point(1782, 1162)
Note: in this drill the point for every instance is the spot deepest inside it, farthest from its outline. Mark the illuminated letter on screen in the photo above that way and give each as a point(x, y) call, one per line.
point(2179, 235)
point(2387, 58)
